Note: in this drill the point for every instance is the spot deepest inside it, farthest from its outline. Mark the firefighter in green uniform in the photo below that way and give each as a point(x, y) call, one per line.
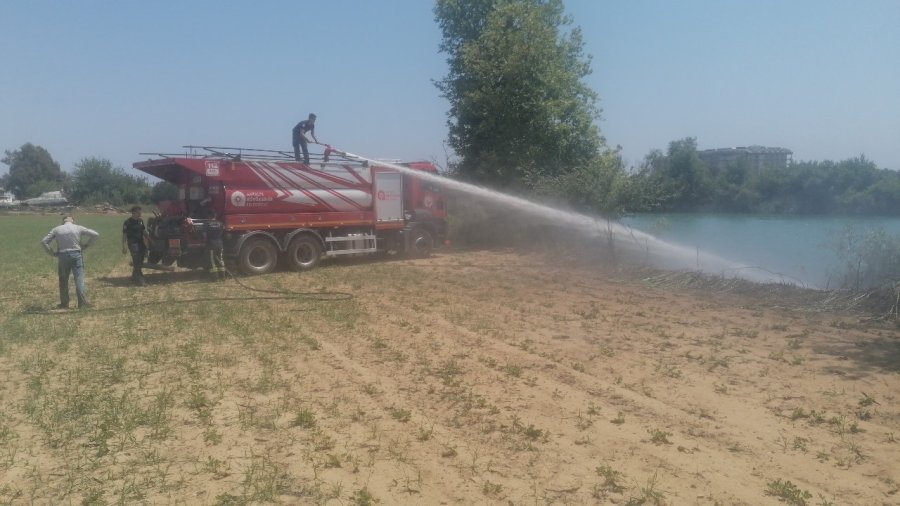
point(214, 247)
point(135, 240)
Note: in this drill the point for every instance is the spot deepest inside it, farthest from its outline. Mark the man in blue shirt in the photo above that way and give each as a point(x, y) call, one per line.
point(299, 137)
point(69, 252)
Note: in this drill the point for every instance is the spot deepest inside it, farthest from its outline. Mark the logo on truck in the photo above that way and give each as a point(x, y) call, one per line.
point(251, 199)
point(388, 195)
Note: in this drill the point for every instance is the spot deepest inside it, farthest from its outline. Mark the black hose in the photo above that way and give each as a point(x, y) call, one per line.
point(314, 296)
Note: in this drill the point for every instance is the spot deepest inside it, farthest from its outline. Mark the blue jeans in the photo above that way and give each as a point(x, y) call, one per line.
point(71, 262)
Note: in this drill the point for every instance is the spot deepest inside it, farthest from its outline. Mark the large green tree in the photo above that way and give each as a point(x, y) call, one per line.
point(679, 176)
point(162, 191)
point(31, 171)
point(520, 111)
point(96, 180)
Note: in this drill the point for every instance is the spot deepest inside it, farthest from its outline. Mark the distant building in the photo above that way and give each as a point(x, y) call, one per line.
point(7, 199)
point(47, 199)
point(756, 157)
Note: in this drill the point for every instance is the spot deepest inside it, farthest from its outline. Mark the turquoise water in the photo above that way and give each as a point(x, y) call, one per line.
point(793, 247)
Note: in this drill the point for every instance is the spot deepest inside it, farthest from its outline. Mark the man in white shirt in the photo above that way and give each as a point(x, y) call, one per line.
point(69, 252)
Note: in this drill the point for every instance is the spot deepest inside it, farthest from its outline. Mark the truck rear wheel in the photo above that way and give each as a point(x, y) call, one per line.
point(421, 242)
point(304, 252)
point(258, 256)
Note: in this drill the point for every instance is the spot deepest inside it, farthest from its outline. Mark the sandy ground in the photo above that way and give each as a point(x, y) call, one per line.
point(499, 378)
point(554, 384)
point(523, 381)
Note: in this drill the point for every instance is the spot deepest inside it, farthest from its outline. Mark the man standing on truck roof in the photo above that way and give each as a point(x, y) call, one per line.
point(136, 238)
point(299, 137)
point(70, 259)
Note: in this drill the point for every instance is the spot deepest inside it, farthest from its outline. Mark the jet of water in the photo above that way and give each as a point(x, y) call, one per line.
point(657, 252)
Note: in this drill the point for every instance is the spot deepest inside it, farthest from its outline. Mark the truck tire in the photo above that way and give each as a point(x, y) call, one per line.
point(258, 256)
point(421, 242)
point(304, 252)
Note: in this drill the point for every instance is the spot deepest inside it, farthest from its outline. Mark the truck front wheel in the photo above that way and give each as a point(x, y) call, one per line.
point(258, 256)
point(304, 252)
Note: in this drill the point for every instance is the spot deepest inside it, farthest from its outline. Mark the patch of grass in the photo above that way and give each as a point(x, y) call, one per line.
point(866, 400)
point(798, 413)
point(363, 497)
point(304, 419)
point(659, 437)
point(610, 477)
point(488, 488)
point(787, 492)
point(264, 480)
point(667, 369)
point(399, 414)
point(533, 433)
point(311, 342)
point(217, 468)
point(449, 372)
point(212, 437)
point(648, 494)
point(513, 370)
point(583, 422)
point(425, 434)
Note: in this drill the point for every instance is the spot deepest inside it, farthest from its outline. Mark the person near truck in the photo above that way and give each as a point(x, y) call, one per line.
point(135, 240)
point(215, 247)
point(300, 140)
point(70, 258)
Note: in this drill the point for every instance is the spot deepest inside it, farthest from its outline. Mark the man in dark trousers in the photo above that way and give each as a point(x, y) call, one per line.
point(135, 239)
point(214, 247)
point(69, 252)
point(300, 140)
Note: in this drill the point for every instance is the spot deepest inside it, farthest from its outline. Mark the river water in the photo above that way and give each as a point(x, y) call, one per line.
point(795, 248)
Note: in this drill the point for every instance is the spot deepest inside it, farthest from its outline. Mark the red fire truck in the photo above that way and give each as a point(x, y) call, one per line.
point(276, 210)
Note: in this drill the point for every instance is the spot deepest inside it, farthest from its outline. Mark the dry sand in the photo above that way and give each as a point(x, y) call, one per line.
point(521, 381)
point(499, 378)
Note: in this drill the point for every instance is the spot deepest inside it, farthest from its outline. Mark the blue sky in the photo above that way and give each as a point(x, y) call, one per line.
point(112, 79)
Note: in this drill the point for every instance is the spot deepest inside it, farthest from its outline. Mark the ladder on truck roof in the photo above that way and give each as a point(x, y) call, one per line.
point(238, 154)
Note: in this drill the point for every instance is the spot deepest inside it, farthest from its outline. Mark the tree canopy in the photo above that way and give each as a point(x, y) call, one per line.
point(96, 180)
point(679, 177)
point(519, 109)
point(680, 181)
point(32, 171)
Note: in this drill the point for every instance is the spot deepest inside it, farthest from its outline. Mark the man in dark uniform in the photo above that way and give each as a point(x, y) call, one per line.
point(299, 137)
point(214, 247)
point(135, 239)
